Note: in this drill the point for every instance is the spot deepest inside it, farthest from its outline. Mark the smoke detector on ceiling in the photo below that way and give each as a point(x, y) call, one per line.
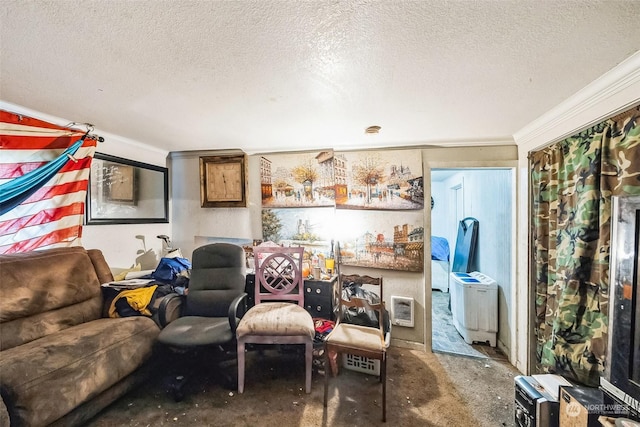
point(372, 130)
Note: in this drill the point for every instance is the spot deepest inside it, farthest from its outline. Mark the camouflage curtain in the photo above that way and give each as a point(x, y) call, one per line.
point(572, 182)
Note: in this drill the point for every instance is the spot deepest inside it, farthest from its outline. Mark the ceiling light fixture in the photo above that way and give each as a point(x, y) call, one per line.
point(372, 129)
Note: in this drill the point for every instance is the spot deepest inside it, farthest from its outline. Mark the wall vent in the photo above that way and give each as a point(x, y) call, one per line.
point(402, 311)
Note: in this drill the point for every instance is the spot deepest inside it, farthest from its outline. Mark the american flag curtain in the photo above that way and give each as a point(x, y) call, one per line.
point(50, 213)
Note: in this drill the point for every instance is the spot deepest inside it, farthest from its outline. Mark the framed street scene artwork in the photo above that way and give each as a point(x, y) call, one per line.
point(300, 180)
point(379, 180)
point(311, 228)
point(381, 239)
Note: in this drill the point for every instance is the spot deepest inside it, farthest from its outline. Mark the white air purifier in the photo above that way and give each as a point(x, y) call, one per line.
point(474, 307)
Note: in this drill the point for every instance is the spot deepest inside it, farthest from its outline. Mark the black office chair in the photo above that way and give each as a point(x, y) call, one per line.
point(211, 310)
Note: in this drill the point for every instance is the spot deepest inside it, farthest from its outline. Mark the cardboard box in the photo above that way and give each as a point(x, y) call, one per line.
point(581, 406)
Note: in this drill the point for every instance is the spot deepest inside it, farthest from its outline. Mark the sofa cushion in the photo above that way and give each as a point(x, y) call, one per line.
point(40, 282)
point(45, 379)
point(26, 329)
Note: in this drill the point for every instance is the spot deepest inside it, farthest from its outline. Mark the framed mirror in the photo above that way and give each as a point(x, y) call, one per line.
point(123, 191)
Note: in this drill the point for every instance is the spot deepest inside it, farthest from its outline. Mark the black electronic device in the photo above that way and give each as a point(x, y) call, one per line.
point(534, 406)
point(621, 379)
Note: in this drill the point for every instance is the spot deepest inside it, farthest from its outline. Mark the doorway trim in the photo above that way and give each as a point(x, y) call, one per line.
point(468, 158)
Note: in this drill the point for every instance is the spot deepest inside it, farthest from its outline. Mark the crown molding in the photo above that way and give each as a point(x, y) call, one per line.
point(613, 92)
point(194, 154)
point(134, 143)
point(18, 109)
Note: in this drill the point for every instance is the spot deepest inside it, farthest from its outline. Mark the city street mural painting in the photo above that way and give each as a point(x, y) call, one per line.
point(311, 228)
point(383, 240)
point(379, 180)
point(301, 191)
point(297, 180)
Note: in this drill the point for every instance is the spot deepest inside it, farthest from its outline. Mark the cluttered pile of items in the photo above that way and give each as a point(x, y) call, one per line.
point(138, 292)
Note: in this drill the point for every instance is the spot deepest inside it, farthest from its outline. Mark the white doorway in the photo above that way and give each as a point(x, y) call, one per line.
point(487, 195)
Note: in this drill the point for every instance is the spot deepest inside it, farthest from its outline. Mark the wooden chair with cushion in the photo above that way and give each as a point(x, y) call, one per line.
point(358, 340)
point(278, 316)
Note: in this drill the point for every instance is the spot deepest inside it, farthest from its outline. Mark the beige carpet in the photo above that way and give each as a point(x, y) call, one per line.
point(420, 392)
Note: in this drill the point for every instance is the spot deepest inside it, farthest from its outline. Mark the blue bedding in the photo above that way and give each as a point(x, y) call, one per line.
point(439, 248)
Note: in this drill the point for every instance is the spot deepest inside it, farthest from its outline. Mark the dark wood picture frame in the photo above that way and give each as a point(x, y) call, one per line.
point(223, 181)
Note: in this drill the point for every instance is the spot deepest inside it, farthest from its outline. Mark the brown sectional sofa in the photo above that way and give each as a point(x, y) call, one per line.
point(61, 361)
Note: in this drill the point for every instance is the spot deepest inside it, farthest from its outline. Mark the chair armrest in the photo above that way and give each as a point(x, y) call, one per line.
point(170, 309)
point(233, 310)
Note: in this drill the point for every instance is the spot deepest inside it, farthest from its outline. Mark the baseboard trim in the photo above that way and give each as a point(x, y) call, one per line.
point(407, 344)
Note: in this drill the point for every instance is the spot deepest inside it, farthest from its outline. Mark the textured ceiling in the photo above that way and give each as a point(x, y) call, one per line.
point(283, 75)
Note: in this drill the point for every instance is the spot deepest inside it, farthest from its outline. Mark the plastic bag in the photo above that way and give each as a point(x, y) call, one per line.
point(170, 270)
point(360, 315)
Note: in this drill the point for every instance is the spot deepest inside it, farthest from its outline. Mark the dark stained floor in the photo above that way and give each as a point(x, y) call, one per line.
point(481, 373)
point(424, 388)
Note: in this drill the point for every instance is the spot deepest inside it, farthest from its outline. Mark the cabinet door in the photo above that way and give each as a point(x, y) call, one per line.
point(250, 289)
point(319, 307)
point(317, 288)
point(319, 298)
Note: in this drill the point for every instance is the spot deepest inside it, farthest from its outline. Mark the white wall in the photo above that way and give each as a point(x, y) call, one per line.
point(191, 221)
point(440, 212)
point(117, 242)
